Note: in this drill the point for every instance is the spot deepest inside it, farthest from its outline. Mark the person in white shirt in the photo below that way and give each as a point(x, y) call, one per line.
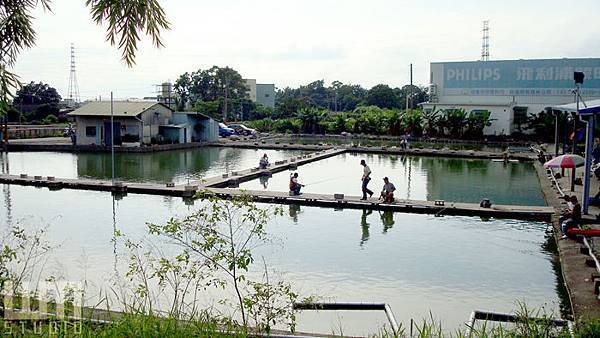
point(366, 177)
point(294, 185)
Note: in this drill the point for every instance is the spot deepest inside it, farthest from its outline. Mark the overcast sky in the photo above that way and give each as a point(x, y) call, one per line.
point(295, 42)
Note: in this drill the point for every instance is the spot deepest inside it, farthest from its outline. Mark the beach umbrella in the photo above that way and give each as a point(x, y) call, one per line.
point(568, 161)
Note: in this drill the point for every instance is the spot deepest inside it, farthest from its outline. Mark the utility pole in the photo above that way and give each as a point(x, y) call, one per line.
point(225, 103)
point(112, 139)
point(409, 91)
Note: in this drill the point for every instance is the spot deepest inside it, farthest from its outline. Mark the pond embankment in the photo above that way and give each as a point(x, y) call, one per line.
point(578, 275)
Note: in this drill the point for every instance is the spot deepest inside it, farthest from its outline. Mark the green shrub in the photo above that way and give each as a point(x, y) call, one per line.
point(50, 119)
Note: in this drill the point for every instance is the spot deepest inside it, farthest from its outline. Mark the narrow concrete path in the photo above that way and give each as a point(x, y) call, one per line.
point(577, 272)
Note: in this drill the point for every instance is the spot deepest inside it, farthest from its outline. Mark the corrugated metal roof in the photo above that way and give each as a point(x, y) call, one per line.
point(120, 108)
point(173, 125)
point(193, 113)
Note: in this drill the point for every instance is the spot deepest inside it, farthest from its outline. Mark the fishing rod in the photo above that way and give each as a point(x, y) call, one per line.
point(325, 180)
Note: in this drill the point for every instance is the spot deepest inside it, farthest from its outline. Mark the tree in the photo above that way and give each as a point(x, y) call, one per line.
point(413, 121)
point(454, 120)
point(125, 20)
point(431, 121)
point(416, 95)
point(212, 85)
point(382, 96)
point(545, 121)
point(36, 93)
point(182, 87)
point(221, 236)
point(42, 101)
point(348, 97)
point(476, 123)
point(311, 119)
point(288, 102)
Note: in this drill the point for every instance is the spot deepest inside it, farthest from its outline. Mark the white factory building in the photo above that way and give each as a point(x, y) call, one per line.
point(510, 90)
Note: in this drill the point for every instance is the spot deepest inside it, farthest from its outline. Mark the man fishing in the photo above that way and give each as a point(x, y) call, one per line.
point(387, 193)
point(366, 177)
point(294, 185)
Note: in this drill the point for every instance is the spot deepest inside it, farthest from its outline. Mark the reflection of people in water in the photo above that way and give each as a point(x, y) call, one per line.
point(365, 226)
point(264, 180)
point(387, 218)
point(294, 211)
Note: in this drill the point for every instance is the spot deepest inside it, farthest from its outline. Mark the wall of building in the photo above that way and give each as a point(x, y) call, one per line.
point(154, 117)
point(500, 86)
point(176, 135)
point(128, 126)
point(265, 94)
point(251, 85)
point(209, 131)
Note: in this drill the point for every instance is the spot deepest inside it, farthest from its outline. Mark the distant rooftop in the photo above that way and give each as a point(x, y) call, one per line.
point(120, 108)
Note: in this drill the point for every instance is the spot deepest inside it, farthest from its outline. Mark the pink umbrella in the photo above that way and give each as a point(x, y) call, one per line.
point(568, 161)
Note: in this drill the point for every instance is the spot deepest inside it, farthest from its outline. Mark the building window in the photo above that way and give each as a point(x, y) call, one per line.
point(266, 95)
point(519, 115)
point(479, 112)
point(90, 131)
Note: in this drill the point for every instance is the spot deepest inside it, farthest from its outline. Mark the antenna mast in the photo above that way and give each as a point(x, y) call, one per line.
point(485, 44)
point(73, 86)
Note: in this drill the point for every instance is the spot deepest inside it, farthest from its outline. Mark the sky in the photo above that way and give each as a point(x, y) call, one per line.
point(290, 43)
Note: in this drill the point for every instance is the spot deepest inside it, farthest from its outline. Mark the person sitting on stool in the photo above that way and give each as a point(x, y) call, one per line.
point(387, 193)
point(294, 185)
point(572, 217)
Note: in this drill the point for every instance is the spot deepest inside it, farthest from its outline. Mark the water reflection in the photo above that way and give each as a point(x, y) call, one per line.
point(264, 181)
point(364, 225)
point(6, 188)
point(294, 210)
point(387, 219)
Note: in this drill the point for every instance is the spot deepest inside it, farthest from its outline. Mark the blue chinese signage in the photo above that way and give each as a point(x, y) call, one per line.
point(520, 77)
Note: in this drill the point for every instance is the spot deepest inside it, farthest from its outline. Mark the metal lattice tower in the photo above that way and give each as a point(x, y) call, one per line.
point(485, 44)
point(73, 86)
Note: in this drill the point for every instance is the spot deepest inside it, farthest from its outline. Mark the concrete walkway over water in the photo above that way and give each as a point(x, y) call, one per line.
point(218, 185)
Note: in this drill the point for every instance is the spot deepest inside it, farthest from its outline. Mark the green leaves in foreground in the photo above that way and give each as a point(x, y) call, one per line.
point(126, 19)
point(219, 238)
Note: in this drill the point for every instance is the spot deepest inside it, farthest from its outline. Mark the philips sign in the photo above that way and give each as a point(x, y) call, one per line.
point(470, 74)
point(520, 77)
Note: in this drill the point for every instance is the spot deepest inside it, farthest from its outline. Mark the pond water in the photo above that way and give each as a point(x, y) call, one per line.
point(416, 263)
point(365, 142)
point(166, 166)
point(416, 177)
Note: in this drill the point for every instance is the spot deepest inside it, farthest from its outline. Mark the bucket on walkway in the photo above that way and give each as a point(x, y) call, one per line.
point(189, 190)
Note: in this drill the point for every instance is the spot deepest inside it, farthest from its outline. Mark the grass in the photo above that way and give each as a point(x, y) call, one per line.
point(128, 325)
point(138, 325)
